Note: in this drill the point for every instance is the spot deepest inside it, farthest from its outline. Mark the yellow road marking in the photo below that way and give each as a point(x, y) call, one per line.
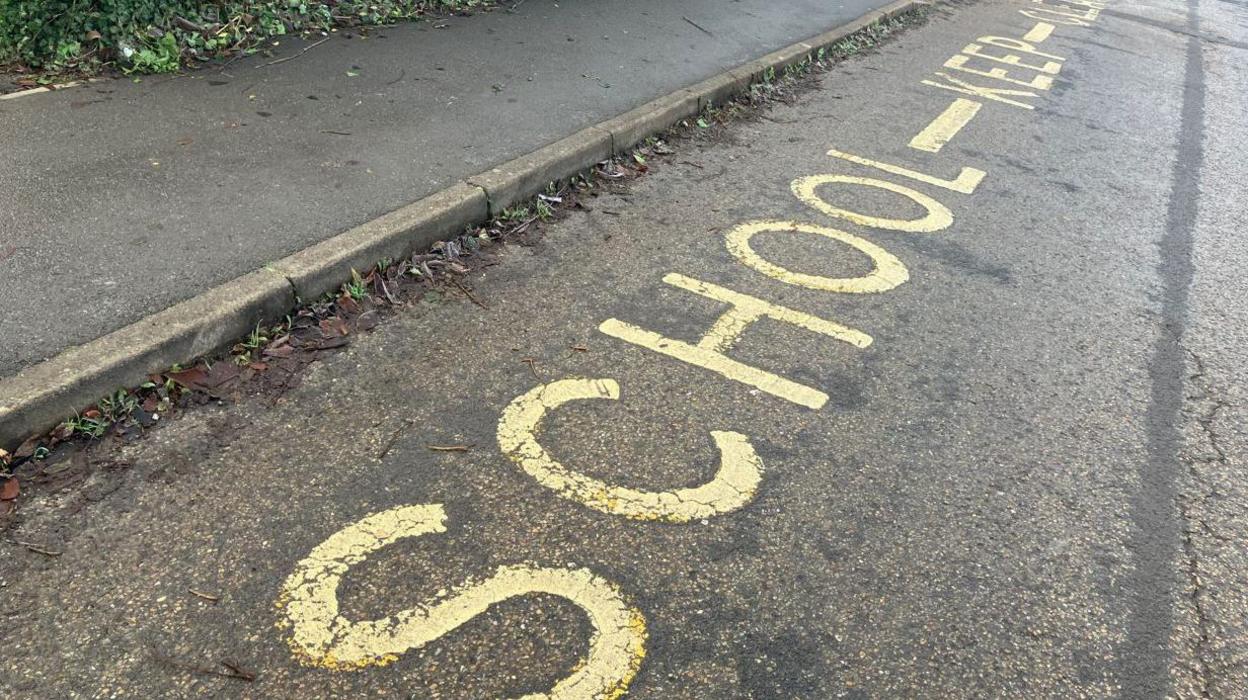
point(888, 271)
point(966, 181)
point(944, 127)
point(724, 333)
point(735, 484)
point(1005, 42)
point(1094, 10)
point(958, 63)
point(716, 362)
point(937, 217)
point(1039, 33)
point(708, 353)
point(747, 309)
point(1057, 17)
point(996, 94)
point(320, 636)
point(977, 50)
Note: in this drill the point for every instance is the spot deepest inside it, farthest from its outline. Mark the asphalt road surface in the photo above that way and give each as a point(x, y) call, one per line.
point(900, 390)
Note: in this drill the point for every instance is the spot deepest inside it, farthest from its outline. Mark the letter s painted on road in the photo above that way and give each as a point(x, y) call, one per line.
point(320, 636)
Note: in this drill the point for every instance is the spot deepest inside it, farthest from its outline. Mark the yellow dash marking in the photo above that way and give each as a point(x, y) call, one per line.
point(320, 636)
point(734, 485)
point(888, 271)
point(1039, 33)
point(944, 127)
point(937, 217)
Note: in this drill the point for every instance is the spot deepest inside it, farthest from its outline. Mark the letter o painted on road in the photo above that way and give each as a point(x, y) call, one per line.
point(938, 215)
point(888, 272)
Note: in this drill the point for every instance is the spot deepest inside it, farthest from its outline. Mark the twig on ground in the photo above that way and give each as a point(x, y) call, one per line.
point(238, 671)
point(233, 670)
point(469, 294)
point(37, 549)
point(532, 363)
point(291, 58)
point(206, 596)
point(394, 437)
point(449, 448)
point(704, 30)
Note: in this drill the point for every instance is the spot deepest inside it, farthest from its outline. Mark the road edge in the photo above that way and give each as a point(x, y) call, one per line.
point(41, 396)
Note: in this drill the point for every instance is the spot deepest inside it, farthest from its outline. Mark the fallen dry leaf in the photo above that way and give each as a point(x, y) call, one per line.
point(367, 321)
point(192, 378)
point(10, 490)
point(27, 448)
point(221, 373)
point(279, 352)
point(333, 326)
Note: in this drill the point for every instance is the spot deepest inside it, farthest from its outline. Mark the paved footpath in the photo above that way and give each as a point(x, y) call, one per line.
point(929, 384)
point(118, 200)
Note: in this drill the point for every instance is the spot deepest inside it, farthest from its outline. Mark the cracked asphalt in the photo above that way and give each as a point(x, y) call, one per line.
point(986, 439)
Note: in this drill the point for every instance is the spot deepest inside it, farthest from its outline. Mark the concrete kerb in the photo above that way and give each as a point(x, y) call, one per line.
point(323, 267)
point(899, 7)
point(45, 394)
point(519, 179)
point(632, 127)
point(777, 61)
point(41, 396)
point(717, 90)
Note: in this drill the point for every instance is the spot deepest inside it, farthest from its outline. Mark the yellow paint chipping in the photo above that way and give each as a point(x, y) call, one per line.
point(320, 636)
point(887, 272)
point(734, 485)
point(937, 217)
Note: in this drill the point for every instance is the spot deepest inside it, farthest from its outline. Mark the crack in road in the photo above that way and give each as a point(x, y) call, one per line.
point(1202, 648)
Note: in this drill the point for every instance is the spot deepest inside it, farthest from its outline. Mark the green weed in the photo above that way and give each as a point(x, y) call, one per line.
point(357, 288)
